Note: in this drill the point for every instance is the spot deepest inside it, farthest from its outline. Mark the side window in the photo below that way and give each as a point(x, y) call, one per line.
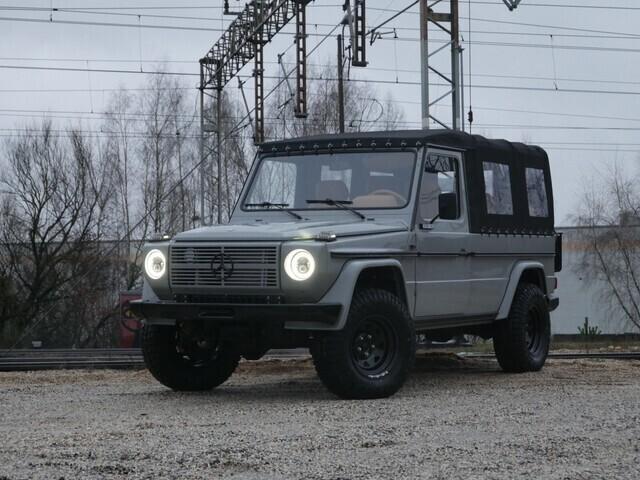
point(536, 193)
point(497, 188)
point(439, 192)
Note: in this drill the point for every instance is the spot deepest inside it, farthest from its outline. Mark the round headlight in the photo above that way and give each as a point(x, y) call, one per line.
point(299, 264)
point(155, 264)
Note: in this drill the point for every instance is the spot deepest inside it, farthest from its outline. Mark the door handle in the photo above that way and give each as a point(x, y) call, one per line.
point(465, 253)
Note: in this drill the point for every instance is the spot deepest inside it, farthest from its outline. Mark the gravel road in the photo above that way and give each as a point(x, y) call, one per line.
point(273, 420)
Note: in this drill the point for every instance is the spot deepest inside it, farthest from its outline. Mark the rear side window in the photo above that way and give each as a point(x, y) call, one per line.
point(536, 193)
point(497, 188)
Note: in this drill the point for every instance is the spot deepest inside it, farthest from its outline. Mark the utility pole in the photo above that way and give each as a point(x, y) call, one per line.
point(340, 84)
point(424, 62)
point(203, 169)
point(447, 21)
point(219, 149)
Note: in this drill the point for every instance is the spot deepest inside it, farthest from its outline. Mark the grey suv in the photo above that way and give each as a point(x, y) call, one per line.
point(350, 245)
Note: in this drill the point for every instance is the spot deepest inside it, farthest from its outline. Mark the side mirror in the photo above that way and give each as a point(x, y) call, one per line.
point(448, 205)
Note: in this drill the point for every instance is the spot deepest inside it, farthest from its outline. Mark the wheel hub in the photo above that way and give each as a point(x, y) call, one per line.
point(372, 347)
point(196, 345)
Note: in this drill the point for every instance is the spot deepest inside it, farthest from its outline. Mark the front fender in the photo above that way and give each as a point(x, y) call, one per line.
point(514, 280)
point(341, 292)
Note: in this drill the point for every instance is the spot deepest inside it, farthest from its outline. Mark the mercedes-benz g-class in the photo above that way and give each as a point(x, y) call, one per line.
point(353, 244)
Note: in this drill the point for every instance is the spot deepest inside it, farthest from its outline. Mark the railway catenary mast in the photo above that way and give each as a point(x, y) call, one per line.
point(243, 41)
point(443, 15)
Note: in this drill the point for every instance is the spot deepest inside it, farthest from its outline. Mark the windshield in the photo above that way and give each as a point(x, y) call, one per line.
point(360, 180)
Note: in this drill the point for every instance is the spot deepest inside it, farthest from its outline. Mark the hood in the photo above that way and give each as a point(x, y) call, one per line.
point(282, 231)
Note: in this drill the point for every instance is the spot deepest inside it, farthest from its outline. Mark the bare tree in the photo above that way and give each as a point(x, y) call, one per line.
point(365, 109)
point(162, 151)
point(120, 153)
point(151, 147)
point(609, 215)
point(237, 153)
point(56, 211)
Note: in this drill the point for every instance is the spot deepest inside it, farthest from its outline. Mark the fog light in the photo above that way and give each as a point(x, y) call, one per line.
point(155, 264)
point(299, 265)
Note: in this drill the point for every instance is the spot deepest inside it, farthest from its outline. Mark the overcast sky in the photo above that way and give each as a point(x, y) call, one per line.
point(593, 50)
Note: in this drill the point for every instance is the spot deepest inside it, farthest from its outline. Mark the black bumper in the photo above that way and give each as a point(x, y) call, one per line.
point(554, 302)
point(160, 312)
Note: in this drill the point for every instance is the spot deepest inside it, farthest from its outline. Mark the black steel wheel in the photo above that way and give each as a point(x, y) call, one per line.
point(521, 342)
point(374, 346)
point(188, 356)
point(372, 356)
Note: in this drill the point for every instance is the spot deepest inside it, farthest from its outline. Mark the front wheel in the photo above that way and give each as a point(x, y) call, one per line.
point(521, 342)
point(372, 356)
point(188, 356)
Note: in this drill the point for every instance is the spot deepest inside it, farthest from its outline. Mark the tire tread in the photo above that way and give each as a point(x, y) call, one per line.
point(329, 352)
point(511, 353)
point(161, 359)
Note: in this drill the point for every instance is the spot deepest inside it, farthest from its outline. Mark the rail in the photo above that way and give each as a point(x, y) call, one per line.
point(131, 358)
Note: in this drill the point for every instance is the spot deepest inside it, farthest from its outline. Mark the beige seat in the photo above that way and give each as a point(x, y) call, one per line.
point(333, 189)
point(381, 194)
point(380, 200)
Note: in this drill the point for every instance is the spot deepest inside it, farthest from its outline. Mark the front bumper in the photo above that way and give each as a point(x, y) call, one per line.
point(167, 313)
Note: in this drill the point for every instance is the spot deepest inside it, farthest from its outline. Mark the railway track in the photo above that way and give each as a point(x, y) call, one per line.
point(123, 358)
point(569, 355)
point(54, 359)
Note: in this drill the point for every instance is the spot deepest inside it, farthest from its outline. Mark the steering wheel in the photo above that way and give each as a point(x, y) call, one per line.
point(399, 198)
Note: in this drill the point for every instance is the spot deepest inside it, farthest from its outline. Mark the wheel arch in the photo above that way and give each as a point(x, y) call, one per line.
point(358, 273)
point(385, 277)
point(530, 272)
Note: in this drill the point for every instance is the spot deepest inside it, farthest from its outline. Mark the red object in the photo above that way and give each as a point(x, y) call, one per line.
point(130, 325)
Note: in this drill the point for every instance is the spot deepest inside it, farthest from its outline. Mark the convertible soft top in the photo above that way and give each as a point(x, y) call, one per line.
point(476, 148)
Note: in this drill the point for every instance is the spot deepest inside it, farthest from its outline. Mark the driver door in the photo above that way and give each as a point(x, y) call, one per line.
point(442, 287)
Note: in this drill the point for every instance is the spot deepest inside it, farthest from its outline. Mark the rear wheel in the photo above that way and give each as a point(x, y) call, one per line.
point(372, 356)
point(521, 342)
point(188, 356)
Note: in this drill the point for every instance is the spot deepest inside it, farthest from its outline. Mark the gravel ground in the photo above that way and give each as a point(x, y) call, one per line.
point(273, 420)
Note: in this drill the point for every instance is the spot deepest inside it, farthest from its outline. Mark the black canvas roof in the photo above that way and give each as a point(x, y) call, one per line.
point(478, 149)
point(398, 139)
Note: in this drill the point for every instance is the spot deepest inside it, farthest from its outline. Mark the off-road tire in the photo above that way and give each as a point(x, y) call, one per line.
point(169, 367)
point(521, 342)
point(334, 352)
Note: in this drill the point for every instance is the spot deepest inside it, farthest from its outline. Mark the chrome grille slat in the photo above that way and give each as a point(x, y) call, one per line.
point(253, 266)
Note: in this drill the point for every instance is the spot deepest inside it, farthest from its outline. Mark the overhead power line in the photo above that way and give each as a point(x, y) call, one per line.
point(98, 115)
point(615, 34)
point(357, 80)
point(316, 65)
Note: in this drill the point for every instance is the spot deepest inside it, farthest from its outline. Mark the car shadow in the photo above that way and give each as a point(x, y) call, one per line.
point(295, 381)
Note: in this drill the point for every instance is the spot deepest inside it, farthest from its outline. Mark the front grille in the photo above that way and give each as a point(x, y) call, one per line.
point(224, 266)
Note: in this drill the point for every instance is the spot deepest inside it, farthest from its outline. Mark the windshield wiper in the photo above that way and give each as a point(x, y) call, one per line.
point(343, 204)
point(279, 206)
